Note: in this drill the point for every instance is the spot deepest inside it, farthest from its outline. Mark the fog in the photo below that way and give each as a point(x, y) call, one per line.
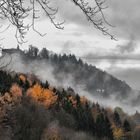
point(45, 71)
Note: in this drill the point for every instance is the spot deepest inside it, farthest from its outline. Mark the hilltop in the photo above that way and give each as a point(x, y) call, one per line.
point(71, 71)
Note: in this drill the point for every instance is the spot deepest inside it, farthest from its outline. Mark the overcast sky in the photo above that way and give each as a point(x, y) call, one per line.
point(120, 58)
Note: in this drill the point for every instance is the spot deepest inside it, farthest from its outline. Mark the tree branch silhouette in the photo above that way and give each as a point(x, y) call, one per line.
point(17, 12)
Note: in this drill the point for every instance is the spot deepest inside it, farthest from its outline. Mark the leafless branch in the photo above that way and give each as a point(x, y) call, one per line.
point(95, 15)
point(17, 11)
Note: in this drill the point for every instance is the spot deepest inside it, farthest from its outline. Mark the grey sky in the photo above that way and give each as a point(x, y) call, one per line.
point(80, 38)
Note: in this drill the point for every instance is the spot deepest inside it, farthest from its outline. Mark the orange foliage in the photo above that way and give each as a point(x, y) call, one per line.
point(49, 97)
point(22, 78)
point(16, 91)
point(44, 96)
point(35, 92)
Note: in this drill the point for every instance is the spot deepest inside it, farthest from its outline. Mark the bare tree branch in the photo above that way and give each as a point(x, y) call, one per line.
point(95, 15)
point(17, 11)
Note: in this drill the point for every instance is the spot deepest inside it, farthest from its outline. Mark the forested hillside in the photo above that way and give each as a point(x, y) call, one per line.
point(88, 77)
point(33, 110)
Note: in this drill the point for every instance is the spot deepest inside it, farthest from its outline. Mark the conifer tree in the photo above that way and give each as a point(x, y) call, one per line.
point(126, 126)
point(117, 119)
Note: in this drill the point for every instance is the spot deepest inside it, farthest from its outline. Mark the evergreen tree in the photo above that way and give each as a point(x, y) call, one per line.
point(117, 119)
point(26, 85)
point(108, 129)
point(126, 126)
point(78, 100)
point(44, 53)
point(5, 82)
point(46, 84)
point(100, 125)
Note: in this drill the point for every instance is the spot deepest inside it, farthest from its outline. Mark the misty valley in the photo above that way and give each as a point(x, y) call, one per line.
point(49, 96)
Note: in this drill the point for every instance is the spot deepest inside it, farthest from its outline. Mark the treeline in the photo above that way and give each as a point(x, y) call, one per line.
point(96, 81)
point(32, 110)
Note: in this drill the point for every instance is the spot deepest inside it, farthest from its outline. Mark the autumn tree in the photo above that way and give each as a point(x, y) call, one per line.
point(118, 133)
point(41, 95)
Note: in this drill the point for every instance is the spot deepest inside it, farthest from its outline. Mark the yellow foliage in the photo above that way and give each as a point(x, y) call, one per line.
point(117, 132)
point(41, 95)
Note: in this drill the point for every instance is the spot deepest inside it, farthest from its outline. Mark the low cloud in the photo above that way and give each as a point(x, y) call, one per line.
point(131, 75)
point(129, 47)
point(125, 16)
point(45, 71)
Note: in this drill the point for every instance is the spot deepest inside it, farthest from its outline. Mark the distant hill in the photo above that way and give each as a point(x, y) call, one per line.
point(88, 77)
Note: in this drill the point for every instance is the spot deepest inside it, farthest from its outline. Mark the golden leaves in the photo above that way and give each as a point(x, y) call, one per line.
point(41, 95)
point(117, 132)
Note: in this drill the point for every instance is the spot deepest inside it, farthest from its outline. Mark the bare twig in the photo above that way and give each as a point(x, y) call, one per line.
point(17, 11)
point(95, 15)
